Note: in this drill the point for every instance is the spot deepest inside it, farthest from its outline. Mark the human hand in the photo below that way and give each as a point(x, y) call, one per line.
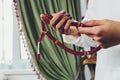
point(62, 22)
point(105, 32)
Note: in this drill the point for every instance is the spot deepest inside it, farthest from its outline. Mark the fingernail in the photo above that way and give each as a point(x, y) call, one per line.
point(67, 14)
point(41, 15)
point(63, 11)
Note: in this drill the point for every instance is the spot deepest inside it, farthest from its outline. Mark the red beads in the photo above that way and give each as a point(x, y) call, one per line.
point(49, 16)
point(38, 57)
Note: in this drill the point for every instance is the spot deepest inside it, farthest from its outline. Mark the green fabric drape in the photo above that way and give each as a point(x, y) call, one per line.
point(55, 63)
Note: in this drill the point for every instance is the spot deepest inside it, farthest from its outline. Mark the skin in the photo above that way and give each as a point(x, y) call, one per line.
point(61, 22)
point(105, 32)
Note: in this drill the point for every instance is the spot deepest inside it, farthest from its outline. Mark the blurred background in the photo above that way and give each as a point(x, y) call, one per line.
point(15, 63)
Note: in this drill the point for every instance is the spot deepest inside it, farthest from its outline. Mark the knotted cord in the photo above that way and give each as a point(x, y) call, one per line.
point(57, 42)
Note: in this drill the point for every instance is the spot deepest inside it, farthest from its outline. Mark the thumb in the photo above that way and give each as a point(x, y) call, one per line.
point(92, 23)
point(86, 30)
point(44, 18)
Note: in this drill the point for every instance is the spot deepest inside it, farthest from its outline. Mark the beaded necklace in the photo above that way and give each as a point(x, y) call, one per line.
point(57, 42)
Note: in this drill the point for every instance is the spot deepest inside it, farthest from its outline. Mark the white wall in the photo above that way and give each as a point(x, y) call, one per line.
point(83, 7)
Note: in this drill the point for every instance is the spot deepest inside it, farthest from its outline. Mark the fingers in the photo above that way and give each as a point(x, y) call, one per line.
point(67, 26)
point(93, 27)
point(56, 18)
point(47, 20)
point(61, 24)
point(87, 30)
point(93, 22)
point(61, 21)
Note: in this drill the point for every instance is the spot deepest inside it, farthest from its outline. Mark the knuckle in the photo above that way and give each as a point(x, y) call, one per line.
point(69, 21)
point(65, 18)
point(98, 32)
point(65, 28)
point(93, 21)
point(52, 23)
point(59, 15)
point(57, 27)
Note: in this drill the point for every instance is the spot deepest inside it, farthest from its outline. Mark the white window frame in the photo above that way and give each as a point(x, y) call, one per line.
point(14, 41)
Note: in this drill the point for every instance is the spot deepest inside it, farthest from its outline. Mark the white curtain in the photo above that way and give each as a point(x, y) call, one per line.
point(6, 31)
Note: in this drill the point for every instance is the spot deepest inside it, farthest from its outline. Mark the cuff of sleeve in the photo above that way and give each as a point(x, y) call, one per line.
point(82, 41)
point(70, 39)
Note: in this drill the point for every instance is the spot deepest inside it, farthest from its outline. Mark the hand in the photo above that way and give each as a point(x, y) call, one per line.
point(105, 32)
point(62, 22)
